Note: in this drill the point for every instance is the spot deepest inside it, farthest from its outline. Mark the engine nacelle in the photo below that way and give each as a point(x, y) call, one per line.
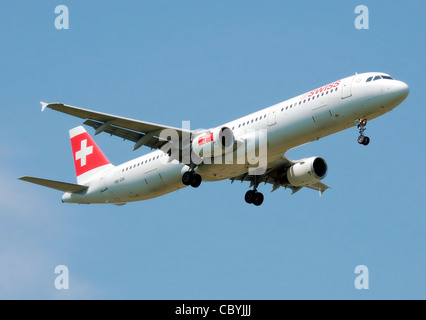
point(214, 143)
point(307, 171)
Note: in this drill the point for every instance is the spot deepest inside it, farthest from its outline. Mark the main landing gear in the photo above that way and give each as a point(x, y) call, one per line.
point(254, 197)
point(190, 178)
point(362, 139)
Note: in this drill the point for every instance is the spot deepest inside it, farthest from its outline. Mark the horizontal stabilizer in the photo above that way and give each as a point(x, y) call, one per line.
point(57, 185)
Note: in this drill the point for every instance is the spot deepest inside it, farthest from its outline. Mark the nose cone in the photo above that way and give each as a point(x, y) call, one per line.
point(401, 90)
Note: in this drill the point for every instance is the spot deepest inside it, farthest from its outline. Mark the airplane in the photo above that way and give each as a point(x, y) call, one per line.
point(185, 157)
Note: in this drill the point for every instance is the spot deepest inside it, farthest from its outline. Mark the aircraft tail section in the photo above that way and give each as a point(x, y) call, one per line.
point(88, 157)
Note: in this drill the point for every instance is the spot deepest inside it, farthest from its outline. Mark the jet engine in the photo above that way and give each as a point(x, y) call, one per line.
point(307, 171)
point(214, 143)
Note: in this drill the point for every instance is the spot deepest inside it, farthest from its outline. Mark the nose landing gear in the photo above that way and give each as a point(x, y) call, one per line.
point(361, 124)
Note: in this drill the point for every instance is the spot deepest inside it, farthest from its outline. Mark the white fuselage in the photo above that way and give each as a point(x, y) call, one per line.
point(288, 124)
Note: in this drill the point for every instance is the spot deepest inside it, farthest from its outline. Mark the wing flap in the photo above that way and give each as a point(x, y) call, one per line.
point(153, 141)
point(319, 186)
point(114, 130)
point(57, 185)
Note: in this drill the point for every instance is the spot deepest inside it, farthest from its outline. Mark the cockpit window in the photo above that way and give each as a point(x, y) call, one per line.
point(379, 78)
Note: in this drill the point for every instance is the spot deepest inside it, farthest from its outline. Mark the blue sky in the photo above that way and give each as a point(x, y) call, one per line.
point(210, 62)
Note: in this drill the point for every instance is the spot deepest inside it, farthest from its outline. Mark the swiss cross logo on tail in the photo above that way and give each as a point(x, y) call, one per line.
point(87, 155)
point(83, 153)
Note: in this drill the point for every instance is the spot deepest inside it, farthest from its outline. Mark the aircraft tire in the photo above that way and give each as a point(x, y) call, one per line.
point(250, 196)
point(196, 180)
point(187, 178)
point(258, 200)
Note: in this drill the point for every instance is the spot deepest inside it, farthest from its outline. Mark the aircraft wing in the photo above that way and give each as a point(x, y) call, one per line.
point(140, 132)
point(275, 175)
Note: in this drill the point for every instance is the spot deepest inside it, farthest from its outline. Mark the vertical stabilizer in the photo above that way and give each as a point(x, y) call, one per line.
point(88, 158)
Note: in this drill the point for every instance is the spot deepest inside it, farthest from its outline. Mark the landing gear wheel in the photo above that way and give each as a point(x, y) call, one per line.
point(254, 197)
point(250, 196)
point(196, 180)
point(192, 179)
point(366, 141)
point(187, 178)
point(258, 200)
point(363, 140)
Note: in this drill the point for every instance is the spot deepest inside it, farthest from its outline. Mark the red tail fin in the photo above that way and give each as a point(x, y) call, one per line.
point(87, 155)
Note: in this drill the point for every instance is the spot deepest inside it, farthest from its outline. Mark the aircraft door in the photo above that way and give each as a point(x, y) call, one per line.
point(103, 183)
point(272, 116)
point(347, 87)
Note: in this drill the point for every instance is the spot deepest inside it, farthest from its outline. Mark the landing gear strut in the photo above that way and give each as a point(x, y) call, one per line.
point(361, 124)
point(190, 178)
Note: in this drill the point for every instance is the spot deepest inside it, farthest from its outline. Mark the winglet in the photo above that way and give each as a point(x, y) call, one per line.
point(43, 105)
